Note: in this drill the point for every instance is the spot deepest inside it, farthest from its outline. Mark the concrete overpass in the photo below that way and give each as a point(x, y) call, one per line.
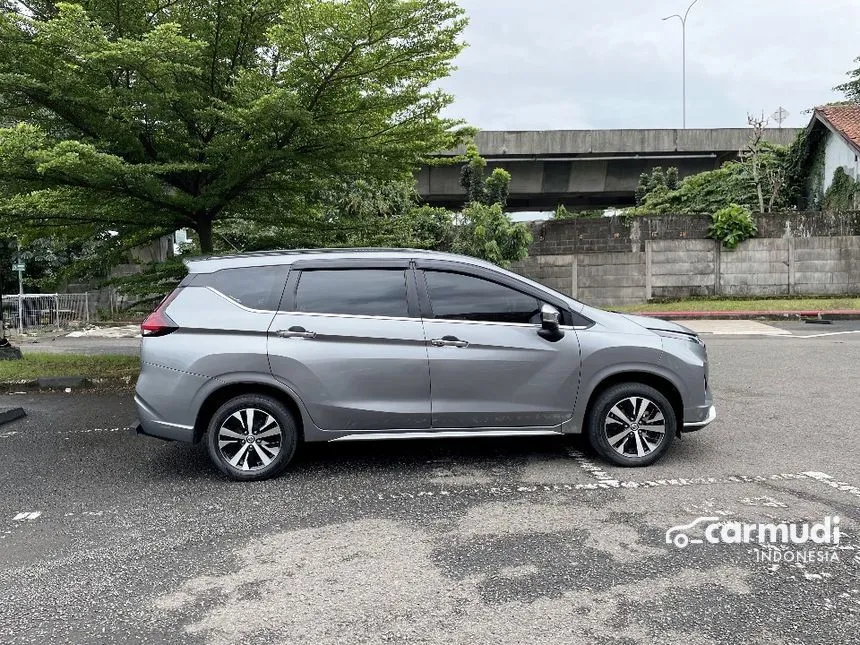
point(585, 169)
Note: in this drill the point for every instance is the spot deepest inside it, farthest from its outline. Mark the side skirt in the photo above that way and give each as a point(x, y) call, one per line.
point(450, 434)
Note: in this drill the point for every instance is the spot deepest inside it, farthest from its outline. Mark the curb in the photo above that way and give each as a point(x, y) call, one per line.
point(52, 383)
point(838, 314)
point(7, 415)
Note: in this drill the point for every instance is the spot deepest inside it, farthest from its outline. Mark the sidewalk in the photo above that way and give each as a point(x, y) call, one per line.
point(836, 314)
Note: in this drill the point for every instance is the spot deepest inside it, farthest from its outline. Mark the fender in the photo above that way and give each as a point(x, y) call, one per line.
point(587, 389)
point(311, 431)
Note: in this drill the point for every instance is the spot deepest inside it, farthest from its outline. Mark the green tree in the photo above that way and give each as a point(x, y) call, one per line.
point(487, 232)
point(851, 88)
point(480, 190)
point(142, 117)
point(483, 229)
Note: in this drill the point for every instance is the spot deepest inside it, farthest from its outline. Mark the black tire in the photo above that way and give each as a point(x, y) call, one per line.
point(254, 467)
point(621, 395)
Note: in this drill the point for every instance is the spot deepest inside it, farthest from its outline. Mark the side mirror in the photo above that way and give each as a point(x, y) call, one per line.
point(550, 318)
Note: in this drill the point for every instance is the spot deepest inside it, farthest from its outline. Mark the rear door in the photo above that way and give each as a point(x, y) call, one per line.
point(488, 366)
point(350, 341)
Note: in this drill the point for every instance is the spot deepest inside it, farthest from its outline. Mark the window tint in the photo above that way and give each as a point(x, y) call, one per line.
point(363, 292)
point(455, 296)
point(254, 287)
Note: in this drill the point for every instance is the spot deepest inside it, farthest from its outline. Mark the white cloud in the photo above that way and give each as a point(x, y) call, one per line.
point(615, 64)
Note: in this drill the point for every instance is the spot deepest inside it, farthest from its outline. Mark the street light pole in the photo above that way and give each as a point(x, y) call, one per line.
point(683, 20)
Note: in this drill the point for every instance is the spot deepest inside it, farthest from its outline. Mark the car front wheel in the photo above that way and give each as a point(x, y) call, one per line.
point(631, 424)
point(252, 437)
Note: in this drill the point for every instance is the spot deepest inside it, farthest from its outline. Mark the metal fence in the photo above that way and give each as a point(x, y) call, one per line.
point(44, 311)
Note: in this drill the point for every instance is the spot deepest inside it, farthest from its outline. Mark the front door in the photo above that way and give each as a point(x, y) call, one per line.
point(352, 346)
point(489, 367)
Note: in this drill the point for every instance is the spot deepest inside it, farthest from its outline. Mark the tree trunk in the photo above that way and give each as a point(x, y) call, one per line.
point(204, 232)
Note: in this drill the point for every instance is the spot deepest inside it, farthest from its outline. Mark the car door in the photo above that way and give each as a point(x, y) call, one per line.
point(350, 342)
point(489, 368)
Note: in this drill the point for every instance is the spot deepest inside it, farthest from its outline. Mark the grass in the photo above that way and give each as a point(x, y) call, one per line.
point(751, 304)
point(35, 365)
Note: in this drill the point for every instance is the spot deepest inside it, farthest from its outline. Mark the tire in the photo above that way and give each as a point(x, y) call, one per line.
point(613, 430)
point(232, 448)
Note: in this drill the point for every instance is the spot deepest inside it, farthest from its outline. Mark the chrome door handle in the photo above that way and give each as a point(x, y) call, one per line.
point(296, 332)
point(449, 341)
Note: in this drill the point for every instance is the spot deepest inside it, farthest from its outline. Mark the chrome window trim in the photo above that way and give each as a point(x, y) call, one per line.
point(321, 314)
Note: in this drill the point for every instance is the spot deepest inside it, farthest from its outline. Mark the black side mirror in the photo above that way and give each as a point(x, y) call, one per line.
point(550, 318)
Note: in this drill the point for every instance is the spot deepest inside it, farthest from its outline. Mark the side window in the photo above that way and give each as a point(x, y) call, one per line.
point(360, 292)
point(254, 287)
point(455, 296)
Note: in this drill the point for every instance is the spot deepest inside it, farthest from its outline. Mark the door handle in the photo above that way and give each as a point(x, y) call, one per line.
point(296, 332)
point(449, 341)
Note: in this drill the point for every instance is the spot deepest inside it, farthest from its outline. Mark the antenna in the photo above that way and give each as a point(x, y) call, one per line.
point(780, 115)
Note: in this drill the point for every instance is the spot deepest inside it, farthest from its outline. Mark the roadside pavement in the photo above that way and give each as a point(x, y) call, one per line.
point(123, 340)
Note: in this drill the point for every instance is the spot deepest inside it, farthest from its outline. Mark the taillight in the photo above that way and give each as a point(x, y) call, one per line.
point(159, 323)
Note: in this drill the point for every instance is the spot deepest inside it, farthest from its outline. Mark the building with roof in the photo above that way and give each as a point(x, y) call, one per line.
point(833, 137)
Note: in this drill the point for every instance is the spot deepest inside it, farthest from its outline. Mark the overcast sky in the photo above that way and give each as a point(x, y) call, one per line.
point(579, 64)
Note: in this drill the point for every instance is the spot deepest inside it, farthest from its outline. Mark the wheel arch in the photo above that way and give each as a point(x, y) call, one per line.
point(659, 382)
point(226, 390)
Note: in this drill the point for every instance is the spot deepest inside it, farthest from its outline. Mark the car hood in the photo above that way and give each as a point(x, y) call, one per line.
point(631, 322)
point(657, 324)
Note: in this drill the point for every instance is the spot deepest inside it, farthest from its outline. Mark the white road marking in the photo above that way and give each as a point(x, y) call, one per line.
point(26, 515)
point(827, 480)
point(831, 333)
point(11, 433)
point(595, 471)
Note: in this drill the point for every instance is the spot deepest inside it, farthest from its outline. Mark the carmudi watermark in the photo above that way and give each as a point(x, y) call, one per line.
point(773, 541)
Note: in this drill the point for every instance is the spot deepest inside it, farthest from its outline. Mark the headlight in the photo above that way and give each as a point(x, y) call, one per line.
point(679, 335)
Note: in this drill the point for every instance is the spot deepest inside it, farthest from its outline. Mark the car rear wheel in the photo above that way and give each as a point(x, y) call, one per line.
point(252, 437)
point(631, 424)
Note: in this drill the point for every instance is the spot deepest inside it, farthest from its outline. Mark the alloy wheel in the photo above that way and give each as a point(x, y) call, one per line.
point(635, 426)
point(250, 439)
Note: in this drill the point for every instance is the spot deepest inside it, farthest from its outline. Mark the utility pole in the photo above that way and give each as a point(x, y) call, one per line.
point(20, 268)
point(683, 20)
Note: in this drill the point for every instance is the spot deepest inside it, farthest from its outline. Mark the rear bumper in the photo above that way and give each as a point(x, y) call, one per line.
point(698, 425)
point(150, 425)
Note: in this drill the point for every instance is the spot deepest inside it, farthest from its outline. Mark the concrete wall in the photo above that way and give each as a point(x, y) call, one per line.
point(668, 257)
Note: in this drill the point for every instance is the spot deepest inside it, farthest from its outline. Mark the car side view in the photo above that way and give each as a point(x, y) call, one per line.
point(256, 353)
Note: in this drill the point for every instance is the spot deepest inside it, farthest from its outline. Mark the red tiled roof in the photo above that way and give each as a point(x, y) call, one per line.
point(843, 118)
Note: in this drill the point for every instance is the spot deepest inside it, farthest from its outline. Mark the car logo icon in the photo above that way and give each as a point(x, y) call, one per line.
point(678, 536)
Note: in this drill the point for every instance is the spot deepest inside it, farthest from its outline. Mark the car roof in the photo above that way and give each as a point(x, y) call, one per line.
point(210, 264)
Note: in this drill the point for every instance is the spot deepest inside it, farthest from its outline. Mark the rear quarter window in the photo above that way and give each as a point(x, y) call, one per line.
point(252, 287)
point(359, 292)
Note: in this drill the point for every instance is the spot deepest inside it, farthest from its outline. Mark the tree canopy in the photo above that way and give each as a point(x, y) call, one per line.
point(851, 88)
point(143, 116)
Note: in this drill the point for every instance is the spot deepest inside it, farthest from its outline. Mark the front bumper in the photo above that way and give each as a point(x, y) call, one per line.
point(698, 425)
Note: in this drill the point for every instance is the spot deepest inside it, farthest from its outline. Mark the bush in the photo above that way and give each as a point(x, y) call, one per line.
point(487, 232)
point(732, 225)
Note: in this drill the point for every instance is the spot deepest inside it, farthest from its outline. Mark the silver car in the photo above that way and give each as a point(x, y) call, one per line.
point(256, 353)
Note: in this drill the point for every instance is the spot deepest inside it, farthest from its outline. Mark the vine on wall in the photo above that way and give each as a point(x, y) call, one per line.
point(842, 193)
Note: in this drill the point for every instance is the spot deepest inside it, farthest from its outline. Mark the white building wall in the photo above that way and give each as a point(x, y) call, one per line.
point(838, 153)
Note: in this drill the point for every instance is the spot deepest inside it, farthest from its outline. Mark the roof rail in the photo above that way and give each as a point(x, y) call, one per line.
point(378, 249)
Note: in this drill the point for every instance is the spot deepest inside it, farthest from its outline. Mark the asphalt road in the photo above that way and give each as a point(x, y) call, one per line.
point(515, 541)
